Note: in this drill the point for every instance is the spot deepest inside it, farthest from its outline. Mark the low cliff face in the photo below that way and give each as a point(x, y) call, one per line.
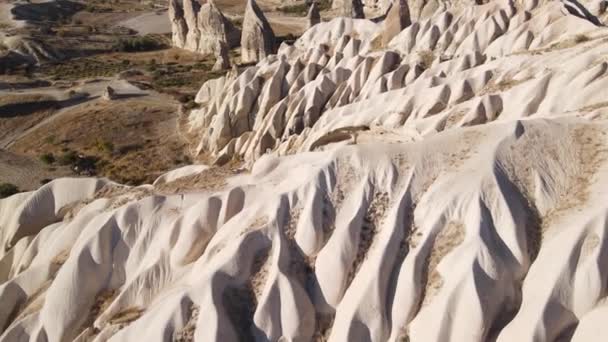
point(445, 186)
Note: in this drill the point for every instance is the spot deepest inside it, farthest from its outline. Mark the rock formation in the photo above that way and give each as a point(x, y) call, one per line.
point(179, 28)
point(215, 28)
point(191, 9)
point(222, 60)
point(28, 49)
point(200, 28)
point(314, 16)
point(257, 38)
point(353, 9)
point(450, 186)
point(109, 94)
point(397, 19)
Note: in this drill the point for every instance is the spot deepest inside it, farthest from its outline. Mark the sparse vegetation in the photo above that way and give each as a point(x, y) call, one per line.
point(376, 44)
point(105, 146)
point(426, 58)
point(581, 38)
point(180, 76)
point(302, 9)
point(138, 44)
point(67, 158)
point(50, 139)
point(83, 68)
point(126, 316)
point(238, 23)
point(505, 83)
point(47, 158)
point(297, 9)
point(97, 9)
point(8, 189)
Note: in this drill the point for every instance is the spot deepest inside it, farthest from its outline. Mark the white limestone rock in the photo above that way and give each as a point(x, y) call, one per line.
point(314, 16)
point(200, 28)
point(257, 38)
point(397, 19)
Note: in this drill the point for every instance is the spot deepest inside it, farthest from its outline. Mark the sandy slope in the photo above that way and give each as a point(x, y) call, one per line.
point(448, 187)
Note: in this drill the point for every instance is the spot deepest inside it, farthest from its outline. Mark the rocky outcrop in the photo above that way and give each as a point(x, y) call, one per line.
point(257, 39)
point(179, 28)
point(314, 16)
point(353, 9)
point(349, 8)
point(191, 9)
point(201, 28)
point(450, 186)
point(331, 71)
point(215, 28)
point(397, 19)
point(222, 60)
point(109, 94)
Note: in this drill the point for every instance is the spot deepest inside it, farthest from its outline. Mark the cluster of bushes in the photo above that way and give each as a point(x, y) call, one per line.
point(47, 158)
point(138, 44)
point(80, 164)
point(66, 158)
point(8, 189)
point(84, 67)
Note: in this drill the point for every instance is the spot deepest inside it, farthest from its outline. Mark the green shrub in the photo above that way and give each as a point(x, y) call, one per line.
point(105, 146)
point(47, 158)
point(138, 44)
point(8, 189)
point(68, 158)
point(298, 9)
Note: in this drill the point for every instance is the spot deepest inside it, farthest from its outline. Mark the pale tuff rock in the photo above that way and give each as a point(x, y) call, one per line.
point(191, 9)
point(353, 9)
point(331, 71)
point(257, 38)
point(449, 187)
point(445, 229)
point(109, 94)
point(215, 28)
point(222, 60)
point(397, 19)
point(200, 28)
point(601, 7)
point(179, 28)
point(314, 16)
